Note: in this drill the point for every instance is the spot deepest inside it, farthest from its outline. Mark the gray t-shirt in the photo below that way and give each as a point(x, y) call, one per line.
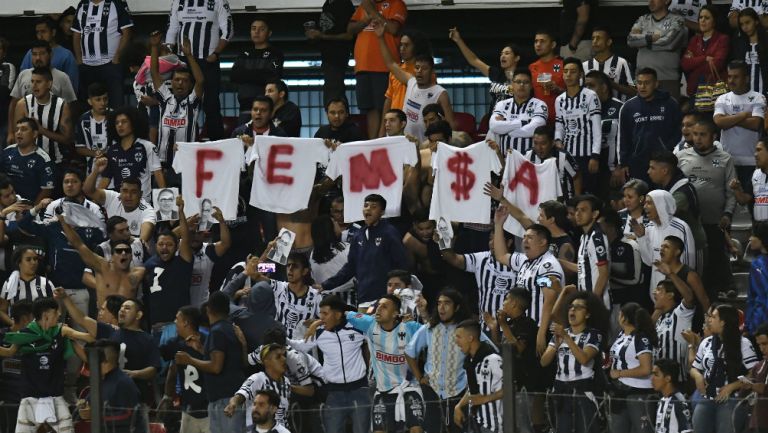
point(61, 87)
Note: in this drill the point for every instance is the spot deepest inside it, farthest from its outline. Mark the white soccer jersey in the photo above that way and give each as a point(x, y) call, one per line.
point(415, 100)
point(760, 194)
point(593, 253)
point(143, 213)
point(529, 275)
point(260, 381)
point(625, 353)
point(494, 280)
point(49, 117)
point(688, 9)
point(178, 121)
point(705, 360)
point(293, 310)
point(515, 130)
point(669, 328)
point(740, 141)
point(616, 68)
point(577, 123)
point(673, 415)
point(100, 27)
point(568, 368)
point(203, 22)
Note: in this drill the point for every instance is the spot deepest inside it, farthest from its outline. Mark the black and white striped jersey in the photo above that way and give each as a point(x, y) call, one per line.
point(488, 376)
point(100, 27)
point(38, 287)
point(593, 253)
point(616, 68)
point(178, 121)
point(624, 356)
point(92, 135)
point(577, 123)
point(203, 22)
point(758, 5)
point(752, 59)
point(515, 131)
point(610, 131)
point(260, 381)
point(568, 368)
point(494, 280)
point(669, 328)
point(706, 357)
point(529, 275)
point(567, 167)
point(293, 310)
point(673, 415)
point(49, 117)
point(688, 9)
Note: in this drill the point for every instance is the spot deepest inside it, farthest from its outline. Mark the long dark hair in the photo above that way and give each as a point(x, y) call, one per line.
point(638, 317)
point(462, 309)
point(598, 315)
point(731, 337)
point(762, 36)
point(326, 246)
point(138, 123)
point(420, 41)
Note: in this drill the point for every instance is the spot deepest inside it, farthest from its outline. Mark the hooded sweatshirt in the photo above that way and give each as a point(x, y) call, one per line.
point(655, 232)
point(648, 126)
point(688, 207)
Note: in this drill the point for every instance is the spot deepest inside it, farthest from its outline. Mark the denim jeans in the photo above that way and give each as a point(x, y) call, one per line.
point(634, 416)
point(342, 404)
point(575, 410)
point(713, 417)
point(221, 423)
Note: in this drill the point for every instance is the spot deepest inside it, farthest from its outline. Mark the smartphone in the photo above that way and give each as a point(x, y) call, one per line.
point(266, 268)
point(543, 282)
point(26, 202)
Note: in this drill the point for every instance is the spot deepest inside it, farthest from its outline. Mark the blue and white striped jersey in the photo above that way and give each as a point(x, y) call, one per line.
point(568, 368)
point(577, 123)
point(387, 349)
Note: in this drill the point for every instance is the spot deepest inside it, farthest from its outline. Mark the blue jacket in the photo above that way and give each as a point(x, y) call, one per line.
point(370, 258)
point(648, 126)
point(65, 261)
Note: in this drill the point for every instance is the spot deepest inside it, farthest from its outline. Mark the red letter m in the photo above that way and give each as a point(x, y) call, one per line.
point(369, 175)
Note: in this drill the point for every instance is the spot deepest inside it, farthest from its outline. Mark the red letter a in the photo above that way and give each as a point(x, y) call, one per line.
point(526, 175)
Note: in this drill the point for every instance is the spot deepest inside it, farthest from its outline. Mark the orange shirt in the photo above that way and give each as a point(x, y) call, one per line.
point(367, 54)
point(396, 90)
point(545, 71)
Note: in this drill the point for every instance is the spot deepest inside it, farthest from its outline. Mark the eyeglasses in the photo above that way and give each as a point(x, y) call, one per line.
point(123, 251)
point(577, 307)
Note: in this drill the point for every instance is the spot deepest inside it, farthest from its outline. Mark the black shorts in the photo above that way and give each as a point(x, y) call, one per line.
point(370, 90)
point(383, 411)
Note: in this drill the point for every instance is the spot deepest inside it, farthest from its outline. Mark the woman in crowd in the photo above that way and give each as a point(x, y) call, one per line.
point(720, 360)
point(500, 76)
point(634, 200)
point(23, 283)
point(704, 60)
point(577, 349)
point(750, 47)
point(631, 365)
point(328, 256)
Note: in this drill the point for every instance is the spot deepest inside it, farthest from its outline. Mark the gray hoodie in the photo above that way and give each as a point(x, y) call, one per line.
point(663, 55)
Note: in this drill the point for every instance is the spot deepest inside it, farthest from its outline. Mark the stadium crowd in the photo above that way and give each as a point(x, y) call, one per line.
point(610, 300)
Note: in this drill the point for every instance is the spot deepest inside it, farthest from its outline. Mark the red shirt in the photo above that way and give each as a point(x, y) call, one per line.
point(694, 61)
point(542, 71)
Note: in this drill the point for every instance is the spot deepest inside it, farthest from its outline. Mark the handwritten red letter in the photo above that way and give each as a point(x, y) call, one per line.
point(526, 175)
point(369, 175)
point(202, 175)
point(273, 165)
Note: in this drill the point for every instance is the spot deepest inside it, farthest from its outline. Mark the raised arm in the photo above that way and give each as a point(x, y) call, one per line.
point(89, 186)
point(514, 211)
point(185, 250)
point(468, 54)
point(394, 68)
point(154, 63)
point(225, 240)
point(197, 73)
point(89, 257)
point(80, 318)
point(500, 251)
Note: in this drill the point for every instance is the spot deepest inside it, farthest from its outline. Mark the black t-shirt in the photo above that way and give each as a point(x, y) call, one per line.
point(288, 118)
point(499, 86)
point(333, 21)
point(137, 348)
point(166, 286)
point(568, 16)
point(527, 364)
point(223, 385)
point(347, 133)
point(194, 400)
point(11, 379)
point(43, 371)
point(119, 394)
point(253, 69)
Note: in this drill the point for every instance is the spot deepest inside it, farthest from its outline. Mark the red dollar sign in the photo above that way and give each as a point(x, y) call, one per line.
point(465, 179)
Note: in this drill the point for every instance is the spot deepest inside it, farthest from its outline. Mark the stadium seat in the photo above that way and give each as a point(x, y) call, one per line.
point(466, 122)
point(482, 130)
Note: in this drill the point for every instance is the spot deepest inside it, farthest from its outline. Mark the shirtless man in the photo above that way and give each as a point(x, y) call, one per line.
point(115, 276)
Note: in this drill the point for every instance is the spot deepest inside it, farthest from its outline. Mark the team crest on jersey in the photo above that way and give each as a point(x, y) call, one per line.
point(547, 265)
point(661, 110)
point(212, 5)
point(612, 72)
point(138, 157)
point(716, 163)
point(529, 111)
point(266, 54)
point(351, 337)
point(378, 241)
point(401, 335)
point(612, 111)
point(485, 373)
point(556, 67)
point(31, 163)
point(134, 226)
point(620, 251)
point(44, 364)
point(430, 95)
